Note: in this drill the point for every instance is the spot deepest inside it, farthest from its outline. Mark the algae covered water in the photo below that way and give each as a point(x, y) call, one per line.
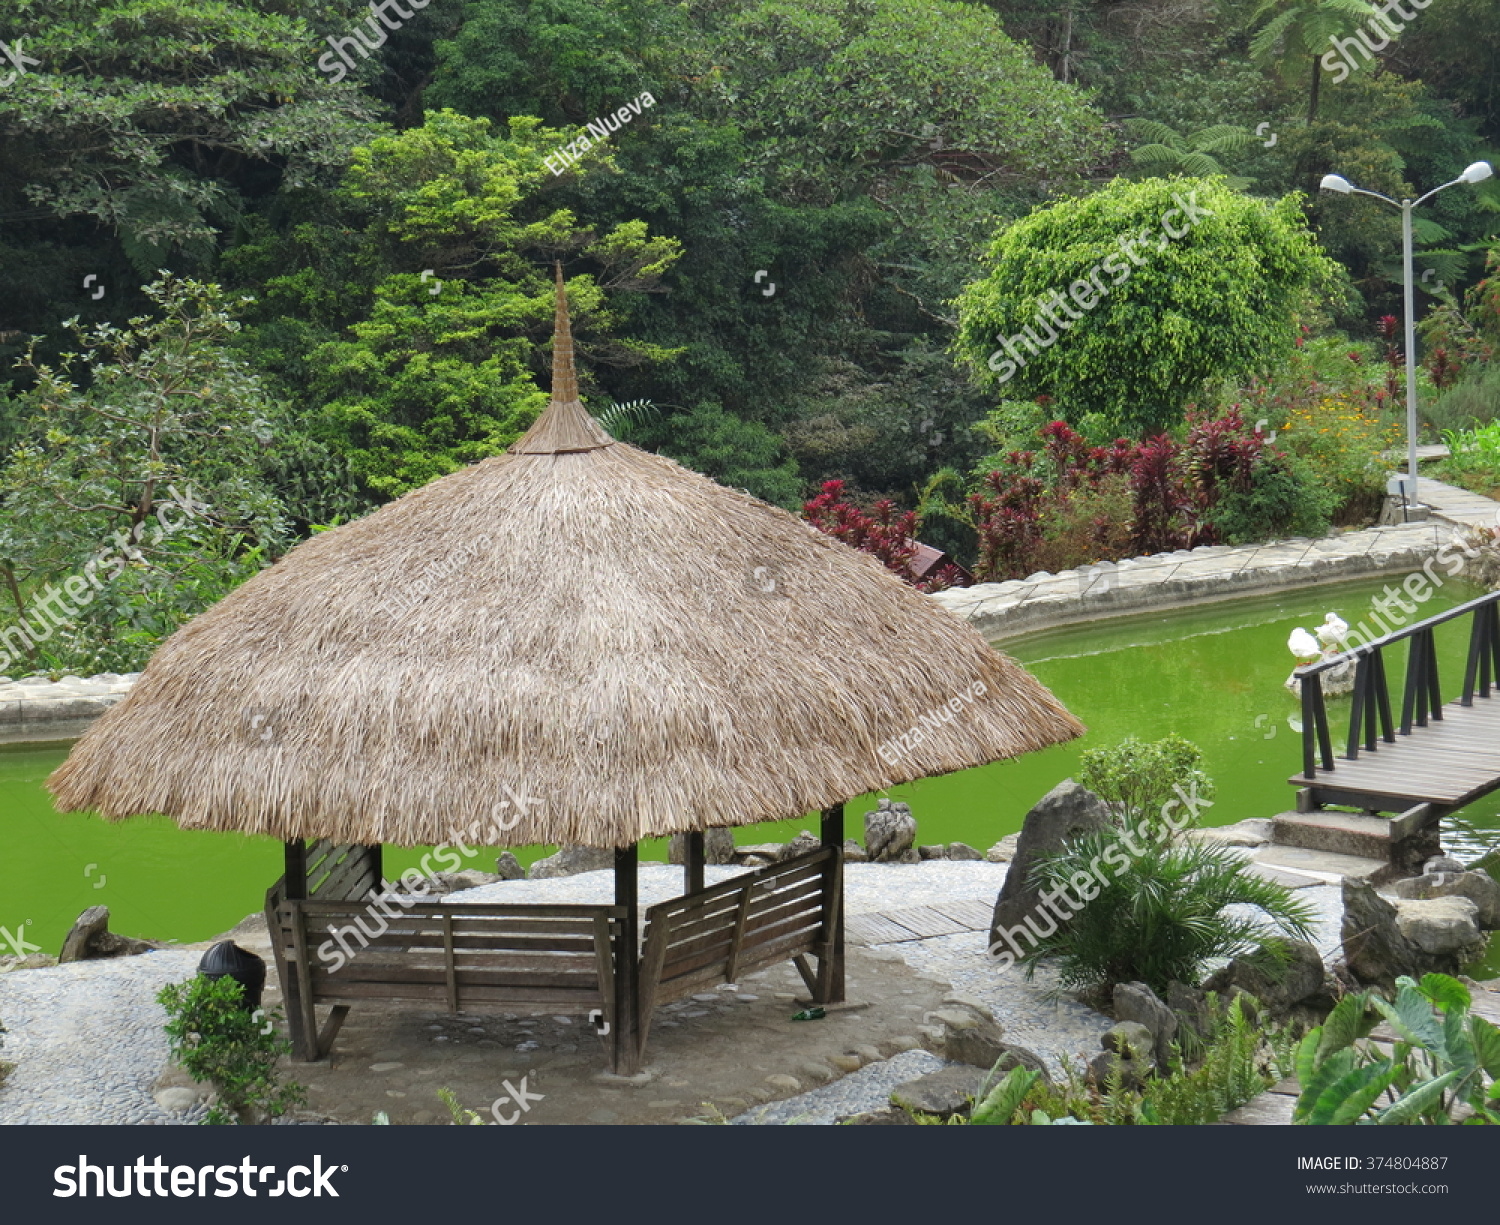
point(1213, 674)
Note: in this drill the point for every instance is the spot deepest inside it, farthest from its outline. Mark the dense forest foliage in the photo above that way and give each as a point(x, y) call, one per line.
point(298, 257)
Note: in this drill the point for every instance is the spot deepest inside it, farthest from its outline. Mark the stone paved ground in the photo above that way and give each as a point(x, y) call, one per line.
point(88, 1043)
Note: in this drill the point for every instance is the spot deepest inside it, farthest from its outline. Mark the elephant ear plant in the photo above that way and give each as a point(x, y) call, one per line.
point(1444, 1062)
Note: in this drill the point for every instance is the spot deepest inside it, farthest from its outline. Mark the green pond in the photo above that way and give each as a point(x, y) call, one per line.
point(1213, 674)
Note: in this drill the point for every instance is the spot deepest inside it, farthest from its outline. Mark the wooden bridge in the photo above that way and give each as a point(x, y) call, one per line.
point(1440, 757)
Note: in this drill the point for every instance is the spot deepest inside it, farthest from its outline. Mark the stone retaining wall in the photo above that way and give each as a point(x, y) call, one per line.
point(1191, 576)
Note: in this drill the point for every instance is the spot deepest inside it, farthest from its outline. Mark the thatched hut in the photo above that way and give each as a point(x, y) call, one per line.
point(416, 678)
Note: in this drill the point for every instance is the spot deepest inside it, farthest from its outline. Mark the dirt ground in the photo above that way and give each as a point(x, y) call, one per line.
point(709, 1057)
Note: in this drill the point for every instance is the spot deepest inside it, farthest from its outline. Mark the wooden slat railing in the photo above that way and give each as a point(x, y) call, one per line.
point(1370, 716)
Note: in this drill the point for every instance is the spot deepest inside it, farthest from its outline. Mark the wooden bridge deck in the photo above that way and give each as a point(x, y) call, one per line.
point(1450, 762)
point(1408, 748)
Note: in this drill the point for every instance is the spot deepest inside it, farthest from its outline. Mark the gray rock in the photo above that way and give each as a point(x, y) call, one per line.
point(571, 860)
point(1131, 1039)
point(972, 1037)
point(1137, 1002)
point(1132, 1072)
point(800, 845)
point(854, 853)
point(718, 846)
point(1441, 926)
point(178, 1100)
point(929, 853)
point(456, 882)
point(1255, 831)
point(962, 851)
point(1479, 887)
point(1384, 939)
point(1441, 863)
point(943, 1093)
point(891, 1116)
point(1065, 813)
point(1280, 987)
point(508, 867)
point(91, 940)
point(890, 831)
point(1190, 1008)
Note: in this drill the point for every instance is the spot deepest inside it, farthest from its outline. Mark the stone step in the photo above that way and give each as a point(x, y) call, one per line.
point(1342, 833)
point(1327, 865)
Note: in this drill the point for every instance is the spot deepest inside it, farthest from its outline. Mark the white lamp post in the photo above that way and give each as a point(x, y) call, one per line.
point(1476, 173)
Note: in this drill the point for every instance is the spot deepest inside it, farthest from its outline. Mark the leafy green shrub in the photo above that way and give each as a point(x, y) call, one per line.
point(1239, 1062)
point(1473, 457)
point(1220, 301)
point(1473, 400)
point(216, 1040)
point(1162, 914)
point(1285, 498)
point(1445, 1057)
point(1140, 779)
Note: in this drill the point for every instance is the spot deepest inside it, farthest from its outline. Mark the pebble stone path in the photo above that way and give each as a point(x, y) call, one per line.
point(87, 1040)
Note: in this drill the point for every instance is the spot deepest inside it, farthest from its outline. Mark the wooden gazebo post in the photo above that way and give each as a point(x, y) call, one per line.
point(626, 1051)
point(831, 963)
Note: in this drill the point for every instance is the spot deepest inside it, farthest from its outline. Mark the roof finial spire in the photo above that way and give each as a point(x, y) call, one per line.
point(565, 425)
point(564, 377)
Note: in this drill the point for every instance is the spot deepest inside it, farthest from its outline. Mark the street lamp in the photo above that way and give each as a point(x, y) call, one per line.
point(1476, 173)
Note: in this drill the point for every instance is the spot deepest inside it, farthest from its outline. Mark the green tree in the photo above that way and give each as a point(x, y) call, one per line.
point(453, 237)
point(1296, 34)
point(143, 129)
point(1222, 300)
point(138, 490)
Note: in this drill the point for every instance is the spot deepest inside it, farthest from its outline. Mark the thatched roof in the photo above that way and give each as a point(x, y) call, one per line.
point(576, 641)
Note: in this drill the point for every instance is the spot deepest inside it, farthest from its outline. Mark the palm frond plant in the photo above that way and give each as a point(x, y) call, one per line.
point(618, 418)
point(1167, 152)
point(1161, 911)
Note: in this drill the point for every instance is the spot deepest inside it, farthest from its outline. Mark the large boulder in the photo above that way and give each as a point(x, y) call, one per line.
point(1137, 1003)
point(1441, 926)
point(1479, 887)
point(943, 1093)
point(91, 940)
point(1384, 939)
point(890, 832)
point(718, 846)
point(1278, 987)
point(1065, 813)
point(571, 860)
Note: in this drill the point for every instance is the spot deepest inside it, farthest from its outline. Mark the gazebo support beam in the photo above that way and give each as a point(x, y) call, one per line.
point(693, 861)
point(830, 989)
point(626, 1055)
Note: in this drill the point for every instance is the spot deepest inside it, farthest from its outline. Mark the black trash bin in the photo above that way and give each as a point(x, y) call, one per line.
point(227, 958)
